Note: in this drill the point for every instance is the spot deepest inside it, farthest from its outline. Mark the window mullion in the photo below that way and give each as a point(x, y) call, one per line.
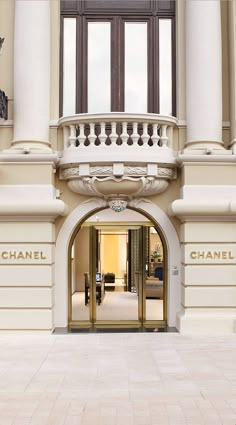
point(117, 65)
point(79, 61)
point(152, 83)
point(84, 66)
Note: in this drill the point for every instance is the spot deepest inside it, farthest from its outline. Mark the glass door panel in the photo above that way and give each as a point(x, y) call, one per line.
point(154, 299)
point(154, 282)
point(80, 277)
point(119, 301)
point(117, 277)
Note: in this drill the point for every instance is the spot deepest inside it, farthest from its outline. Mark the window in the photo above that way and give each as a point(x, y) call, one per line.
point(118, 56)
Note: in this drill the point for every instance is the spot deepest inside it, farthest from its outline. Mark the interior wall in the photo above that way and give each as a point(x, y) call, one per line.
point(113, 254)
point(122, 257)
point(110, 260)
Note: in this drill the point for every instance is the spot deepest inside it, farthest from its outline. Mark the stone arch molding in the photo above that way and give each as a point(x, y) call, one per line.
point(91, 206)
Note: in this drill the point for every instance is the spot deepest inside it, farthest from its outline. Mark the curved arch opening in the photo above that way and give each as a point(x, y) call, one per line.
point(89, 212)
point(117, 272)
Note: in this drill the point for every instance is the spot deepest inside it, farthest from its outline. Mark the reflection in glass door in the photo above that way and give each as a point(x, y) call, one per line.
point(117, 277)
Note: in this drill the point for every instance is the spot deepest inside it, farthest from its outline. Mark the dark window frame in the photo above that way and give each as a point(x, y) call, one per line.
point(157, 10)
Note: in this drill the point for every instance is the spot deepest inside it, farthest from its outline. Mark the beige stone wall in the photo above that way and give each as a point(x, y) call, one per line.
point(208, 173)
point(26, 285)
point(208, 288)
point(13, 173)
point(208, 293)
point(27, 247)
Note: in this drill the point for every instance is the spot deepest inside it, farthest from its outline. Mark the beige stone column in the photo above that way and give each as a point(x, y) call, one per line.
point(203, 74)
point(232, 69)
point(32, 74)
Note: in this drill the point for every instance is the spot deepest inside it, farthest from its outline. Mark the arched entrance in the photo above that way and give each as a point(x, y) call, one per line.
point(66, 237)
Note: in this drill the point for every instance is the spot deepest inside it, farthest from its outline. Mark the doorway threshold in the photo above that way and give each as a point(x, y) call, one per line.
point(166, 329)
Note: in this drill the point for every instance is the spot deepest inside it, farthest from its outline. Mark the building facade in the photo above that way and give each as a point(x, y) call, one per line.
point(117, 161)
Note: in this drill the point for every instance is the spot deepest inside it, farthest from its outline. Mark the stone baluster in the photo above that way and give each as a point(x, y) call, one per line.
point(102, 135)
point(81, 136)
point(145, 136)
point(155, 136)
point(72, 137)
point(124, 135)
point(92, 136)
point(113, 136)
point(164, 138)
point(135, 136)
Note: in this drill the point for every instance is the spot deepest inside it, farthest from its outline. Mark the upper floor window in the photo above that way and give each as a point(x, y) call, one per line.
point(118, 56)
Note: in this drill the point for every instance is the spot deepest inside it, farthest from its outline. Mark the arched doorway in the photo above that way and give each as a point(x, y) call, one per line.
point(66, 238)
point(117, 272)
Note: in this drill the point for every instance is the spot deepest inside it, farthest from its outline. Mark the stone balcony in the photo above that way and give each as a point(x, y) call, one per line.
point(118, 155)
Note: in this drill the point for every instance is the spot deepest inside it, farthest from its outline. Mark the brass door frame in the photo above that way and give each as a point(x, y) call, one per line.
point(141, 322)
point(92, 274)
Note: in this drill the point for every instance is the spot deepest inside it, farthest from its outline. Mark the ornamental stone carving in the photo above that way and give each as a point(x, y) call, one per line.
point(117, 205)
point(136, 171)
point(69, 172)
point(118, 180)
point(101, 171)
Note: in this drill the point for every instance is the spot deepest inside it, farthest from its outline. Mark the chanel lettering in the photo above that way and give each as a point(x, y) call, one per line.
point(22, 255)
point(211, 255)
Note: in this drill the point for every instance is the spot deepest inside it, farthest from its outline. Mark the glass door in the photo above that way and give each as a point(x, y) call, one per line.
point(120, 306)
point(80, 288)
point(155, 284)
point(113, 282)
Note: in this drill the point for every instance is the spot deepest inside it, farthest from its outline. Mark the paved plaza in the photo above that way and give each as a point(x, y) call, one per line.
point(117, 379)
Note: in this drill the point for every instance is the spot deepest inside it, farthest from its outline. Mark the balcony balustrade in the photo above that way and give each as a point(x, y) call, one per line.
point(118, 153)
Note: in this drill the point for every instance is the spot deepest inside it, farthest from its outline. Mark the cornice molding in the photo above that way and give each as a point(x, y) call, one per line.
point(28, 157)
point(45, 210)
point(211, 208)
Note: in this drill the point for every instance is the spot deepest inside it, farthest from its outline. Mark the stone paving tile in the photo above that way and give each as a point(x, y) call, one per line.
point(6, 420)
point(117, 379)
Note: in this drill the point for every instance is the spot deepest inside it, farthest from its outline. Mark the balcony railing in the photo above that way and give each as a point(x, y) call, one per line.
point(119, 131)
point(118, 153)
